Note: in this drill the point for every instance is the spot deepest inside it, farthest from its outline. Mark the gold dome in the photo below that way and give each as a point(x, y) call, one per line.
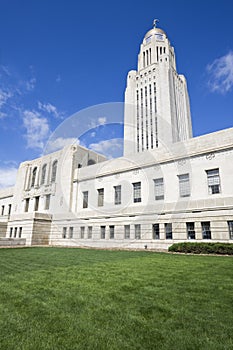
point(154, 31)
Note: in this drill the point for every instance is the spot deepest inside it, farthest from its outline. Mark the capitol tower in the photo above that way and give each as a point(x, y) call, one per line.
point(157, 111)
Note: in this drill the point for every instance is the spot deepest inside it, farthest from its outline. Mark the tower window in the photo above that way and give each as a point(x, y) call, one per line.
point(117, 196)
point(137, 192)
point(43, 173)
point(159, 189)
point(100, 197)
point(184, 185)
point(34, 177)
point(85, 199)
point(54, 171)
point(213, 181)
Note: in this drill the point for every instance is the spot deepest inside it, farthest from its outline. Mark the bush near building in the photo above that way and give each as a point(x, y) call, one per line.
point(202, 248)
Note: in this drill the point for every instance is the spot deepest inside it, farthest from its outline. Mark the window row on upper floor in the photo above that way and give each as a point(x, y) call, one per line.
point(213, 183)
point(42, 175)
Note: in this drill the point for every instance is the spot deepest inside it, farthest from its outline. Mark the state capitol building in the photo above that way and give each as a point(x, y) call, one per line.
point(168, 187)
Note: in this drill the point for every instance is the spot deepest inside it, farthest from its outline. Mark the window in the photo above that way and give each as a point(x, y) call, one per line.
point(26, 205)
point(85, 199)
point(2, 212)
point(11, 232)
point(9, 209)
point(168, 230)
point(47, 201)
point(127, 231)
point(137, 192)
point(43, 173)
point(206, 232)
point(111, 232)
point(64, 232)
point(15, 232)
point(100, 197)
point(159, 189)
point(117, 194)
point(184, 185)
point(213, 181)
point(230, 228)
point(71, 232)
point(102, 232)
point(190, 226)
point(82, 232)
point(54, 171)
point(34, 177)
point(20, 232)
point(137, 229)
point(89, 232)
point(155, 230)
point(36, 207)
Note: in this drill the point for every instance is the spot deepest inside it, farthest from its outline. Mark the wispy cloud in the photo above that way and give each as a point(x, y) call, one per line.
point(4, 96)
point(30, 84)
point(220, 73)
point(7, 176)
point(49, 108)
point(37, 129)
point(58, 79)
point(110, 148)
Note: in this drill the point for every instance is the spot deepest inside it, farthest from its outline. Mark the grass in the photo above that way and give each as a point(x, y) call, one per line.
point(55, 298)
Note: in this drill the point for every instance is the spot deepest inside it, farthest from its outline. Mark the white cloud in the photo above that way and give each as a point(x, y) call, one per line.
point(2, 115)
point(30, 84)
point(110, 148)
point(102, 120)
point(4, 96)
point(59, 143)
point(221, 74)
point(7, 176)
point(49, 108)
point(37, 129)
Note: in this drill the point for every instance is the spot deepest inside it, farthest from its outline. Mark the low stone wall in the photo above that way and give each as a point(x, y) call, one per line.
point(12, 242)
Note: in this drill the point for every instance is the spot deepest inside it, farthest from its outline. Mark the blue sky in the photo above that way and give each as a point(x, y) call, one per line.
point(60, 57)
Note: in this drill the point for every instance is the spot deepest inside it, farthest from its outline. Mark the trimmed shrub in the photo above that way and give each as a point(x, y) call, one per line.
point(202, 248)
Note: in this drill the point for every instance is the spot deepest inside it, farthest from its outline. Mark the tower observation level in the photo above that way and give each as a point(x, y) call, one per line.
point(157, 111)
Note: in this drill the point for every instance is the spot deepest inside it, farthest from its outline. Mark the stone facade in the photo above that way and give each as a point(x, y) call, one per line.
point(168, 187)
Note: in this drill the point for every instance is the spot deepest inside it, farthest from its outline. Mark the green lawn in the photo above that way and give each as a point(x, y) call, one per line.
point(55, 298)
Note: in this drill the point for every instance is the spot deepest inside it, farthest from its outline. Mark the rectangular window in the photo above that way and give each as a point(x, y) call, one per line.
point(102, 232)
point(47, 201)
point(111, 232)
point(9, 209)
point(117, 194)
point(213, 181)
point(230, 228)
point(190, 227)
point(137, 229)
point(71, 232)
point(15, 232)
point(64, 232)
point(82, 232)
point(20, 232)
point(137, 192)
point(127, 231)
point(206, 232)
point(184, 185)
point(85, 199)
point(168, 230)
point(155, 231)
point(36, 207)
point(2, 212)
point(89, 230)
point(100, 197)
point(26, 205)
point(159, 189)
point(11, 232)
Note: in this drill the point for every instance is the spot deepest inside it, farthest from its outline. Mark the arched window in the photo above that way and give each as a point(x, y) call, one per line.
point(34, 171)
point(43, 173)
point(54, 171)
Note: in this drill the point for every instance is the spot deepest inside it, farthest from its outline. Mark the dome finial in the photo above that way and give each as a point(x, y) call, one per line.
point(155, 22)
